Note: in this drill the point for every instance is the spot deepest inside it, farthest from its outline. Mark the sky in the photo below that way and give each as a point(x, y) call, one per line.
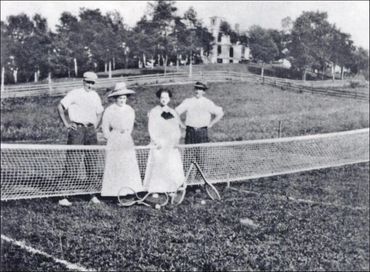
point(349, 16)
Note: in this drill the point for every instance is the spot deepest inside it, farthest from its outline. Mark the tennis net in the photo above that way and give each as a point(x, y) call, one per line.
point(33, 171)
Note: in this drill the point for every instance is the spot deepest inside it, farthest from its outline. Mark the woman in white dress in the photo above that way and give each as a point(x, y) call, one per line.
point(164, 171)
point(121, 167)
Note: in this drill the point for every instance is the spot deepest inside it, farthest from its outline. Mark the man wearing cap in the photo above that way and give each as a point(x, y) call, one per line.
point(199, 111)
point(199, 118)
point(85, 109)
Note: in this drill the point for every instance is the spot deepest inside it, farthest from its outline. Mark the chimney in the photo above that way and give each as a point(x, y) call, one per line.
point(237, 28)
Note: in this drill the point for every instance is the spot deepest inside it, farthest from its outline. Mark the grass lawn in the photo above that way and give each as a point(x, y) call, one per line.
point(316, 220)
point(252, 111)
point(284, 234)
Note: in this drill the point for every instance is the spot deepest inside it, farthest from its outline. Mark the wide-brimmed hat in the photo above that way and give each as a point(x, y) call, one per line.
point(121, 89)
point(90, 76)
point(200, 86)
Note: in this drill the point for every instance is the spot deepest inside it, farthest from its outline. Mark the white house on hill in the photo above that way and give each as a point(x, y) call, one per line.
point(223, 50)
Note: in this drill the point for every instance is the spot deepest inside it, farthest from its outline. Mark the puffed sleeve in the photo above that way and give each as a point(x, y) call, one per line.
point(130, 119)
point(153, 127)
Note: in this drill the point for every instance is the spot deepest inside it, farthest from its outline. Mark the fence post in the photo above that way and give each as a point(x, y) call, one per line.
point(2, 78)
point(110, 70)
point(49, 84)
point(76, 67)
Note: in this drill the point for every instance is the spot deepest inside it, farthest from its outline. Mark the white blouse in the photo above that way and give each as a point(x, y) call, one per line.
point(165, 132)
point(118, 118)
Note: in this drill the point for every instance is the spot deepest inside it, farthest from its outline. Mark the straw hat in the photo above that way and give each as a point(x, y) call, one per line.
point(121, 89)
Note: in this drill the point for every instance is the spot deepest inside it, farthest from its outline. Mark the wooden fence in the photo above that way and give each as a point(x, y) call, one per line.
point(61, 88)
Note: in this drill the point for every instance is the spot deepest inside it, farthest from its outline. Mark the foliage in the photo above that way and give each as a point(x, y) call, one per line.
point(94, 40)
point(315, 44)
point(262, 46)
point(27, 44)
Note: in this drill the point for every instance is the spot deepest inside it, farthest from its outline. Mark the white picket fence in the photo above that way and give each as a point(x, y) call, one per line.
point(61, 88)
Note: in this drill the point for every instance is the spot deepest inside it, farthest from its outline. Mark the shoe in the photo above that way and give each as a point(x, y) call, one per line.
point(65, 203)
point(155, 195)
point(95, 200)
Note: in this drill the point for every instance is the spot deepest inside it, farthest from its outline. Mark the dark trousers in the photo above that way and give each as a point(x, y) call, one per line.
point(81, 136)
point(196, 154)
point(196, 135)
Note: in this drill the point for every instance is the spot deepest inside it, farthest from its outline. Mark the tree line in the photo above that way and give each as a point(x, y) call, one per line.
point(96, 41)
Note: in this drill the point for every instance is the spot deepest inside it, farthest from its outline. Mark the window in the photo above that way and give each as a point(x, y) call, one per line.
point(219, 37)
point(219, 60)
point(219, 49)
point(231, 53)
point(231, 61)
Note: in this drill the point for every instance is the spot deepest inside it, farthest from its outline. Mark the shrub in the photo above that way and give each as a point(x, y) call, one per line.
point(354, 84)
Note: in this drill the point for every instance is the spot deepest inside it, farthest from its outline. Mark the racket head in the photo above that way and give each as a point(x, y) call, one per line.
point(178, 196)
point(212, 191)
point(127, 196)
point(161, 200)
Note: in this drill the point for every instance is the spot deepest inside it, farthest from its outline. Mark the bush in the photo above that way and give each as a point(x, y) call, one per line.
point(354, 84)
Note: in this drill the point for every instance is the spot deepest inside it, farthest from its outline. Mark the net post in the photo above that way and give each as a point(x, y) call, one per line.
point(228, 181)
point(279, 129)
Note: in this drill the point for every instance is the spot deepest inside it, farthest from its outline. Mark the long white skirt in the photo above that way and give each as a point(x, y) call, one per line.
point(121, 167)
point(164, 171)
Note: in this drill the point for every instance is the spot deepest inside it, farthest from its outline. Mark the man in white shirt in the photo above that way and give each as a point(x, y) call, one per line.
point(84, 109)
point(201, 114)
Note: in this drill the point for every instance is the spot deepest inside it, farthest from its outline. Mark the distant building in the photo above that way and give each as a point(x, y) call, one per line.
point(223, 50)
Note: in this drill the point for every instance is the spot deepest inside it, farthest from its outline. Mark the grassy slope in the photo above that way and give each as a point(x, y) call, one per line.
point(291, 236)
point(252, 111)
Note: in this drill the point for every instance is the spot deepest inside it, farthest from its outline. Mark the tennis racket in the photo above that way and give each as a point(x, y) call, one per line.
point(131, 197)
point(162, 199)
point(178, 196)
point(210, 189)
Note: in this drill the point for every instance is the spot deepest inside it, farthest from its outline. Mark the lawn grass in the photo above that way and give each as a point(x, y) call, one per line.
point(252, 111)
point(194, 237)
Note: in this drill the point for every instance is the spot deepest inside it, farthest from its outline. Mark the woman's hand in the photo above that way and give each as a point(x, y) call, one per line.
point(71, 125)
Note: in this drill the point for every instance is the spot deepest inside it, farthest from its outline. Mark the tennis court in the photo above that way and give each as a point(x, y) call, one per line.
point(317, 220)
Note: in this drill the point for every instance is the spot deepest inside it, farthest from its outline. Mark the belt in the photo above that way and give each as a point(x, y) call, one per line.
point(84, 125)
point(194, 128)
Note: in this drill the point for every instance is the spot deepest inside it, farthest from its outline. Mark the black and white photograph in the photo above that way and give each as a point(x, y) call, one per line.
point(185, 136)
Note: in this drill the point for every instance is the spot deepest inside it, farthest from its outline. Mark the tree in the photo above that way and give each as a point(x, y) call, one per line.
point(163, 17)
point(312, 42)
point(342, 49)
point(278, 38)
point(225, 28)
point(67, 44)
point(360, 62)
point(142, 40)
point(28, 42)
point(262, 46)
